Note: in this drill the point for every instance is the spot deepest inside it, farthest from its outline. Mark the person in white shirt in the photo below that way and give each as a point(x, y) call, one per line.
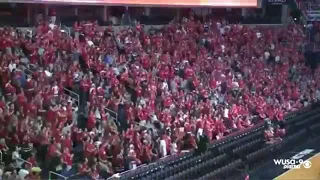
point(266, 56)
point(199, 133)
point(226, 112)
point(53, 19)
point(12, 66)
point(52, 26)
point(67, 129)
point(17, 157)
point(132, 154)
point(163, 147)
point(165, 86)
point(55, 89)
point(174, 148)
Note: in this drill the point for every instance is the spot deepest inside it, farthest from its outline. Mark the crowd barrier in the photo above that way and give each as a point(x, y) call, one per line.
point(51, 174)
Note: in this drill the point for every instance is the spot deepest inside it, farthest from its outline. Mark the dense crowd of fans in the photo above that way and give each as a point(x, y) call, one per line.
point(143, 95)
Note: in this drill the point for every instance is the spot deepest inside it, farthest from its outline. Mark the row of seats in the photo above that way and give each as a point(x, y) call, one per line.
point(258, 154)
point(235, 138)
point(308, 121)
point(200, 169)
point(156, 167)
point(302, 115)
point(223, 172)
point(245, 148)
point(295, 123)
point(192, 162)
point(172, 170)
point(239, 141)
point(315, 128)
point(300, 134)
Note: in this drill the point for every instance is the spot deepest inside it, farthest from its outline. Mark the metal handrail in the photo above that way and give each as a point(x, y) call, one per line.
point(51, 172)
point(72, 176)
point(112, 112)
point(71, 94)
point(1, 157)
point(25, 161)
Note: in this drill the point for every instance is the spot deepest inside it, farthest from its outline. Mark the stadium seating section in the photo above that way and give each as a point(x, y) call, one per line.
point(99, 101)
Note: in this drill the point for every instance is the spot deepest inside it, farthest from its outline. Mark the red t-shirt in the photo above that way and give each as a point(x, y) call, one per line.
point(67, 142)
point(26, 140)
point(15, 139)
point(91, 123)
point(85, 84)
point(146, 153)
point(89, 148)
point(21, 99)
point(94, 174)
point(2, 147)
point(67, 157)
point(33, 162)
point(52, 12)
point(83, 168)
point(102, 154)
point(79, 136)
point(51, 150)
point(280, 115)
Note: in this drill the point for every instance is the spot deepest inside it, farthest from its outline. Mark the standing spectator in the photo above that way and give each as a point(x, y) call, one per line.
point(53, 15)
point(85, 88)
point(16, 157)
